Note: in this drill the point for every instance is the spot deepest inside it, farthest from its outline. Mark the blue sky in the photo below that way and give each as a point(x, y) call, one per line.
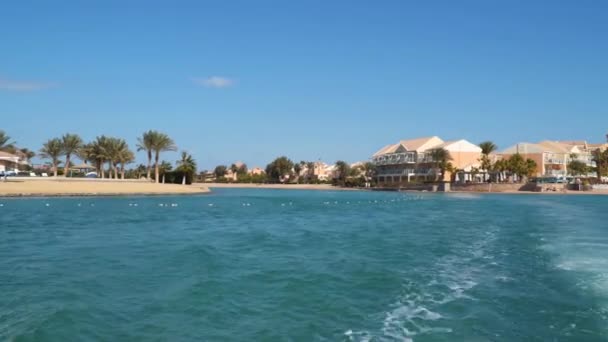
point(252, 80)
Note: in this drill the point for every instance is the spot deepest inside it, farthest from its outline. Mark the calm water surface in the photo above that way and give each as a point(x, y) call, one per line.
point(279, 265)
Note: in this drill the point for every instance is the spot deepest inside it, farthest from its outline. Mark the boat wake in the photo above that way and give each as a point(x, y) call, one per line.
point(578, 245)
point(418, 309)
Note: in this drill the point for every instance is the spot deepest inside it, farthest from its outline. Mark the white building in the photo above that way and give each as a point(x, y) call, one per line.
point(11, 162)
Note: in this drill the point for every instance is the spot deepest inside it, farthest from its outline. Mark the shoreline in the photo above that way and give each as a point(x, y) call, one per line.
point(551, 193)
point(278, 186)
point(66, 187)
point(20, 188)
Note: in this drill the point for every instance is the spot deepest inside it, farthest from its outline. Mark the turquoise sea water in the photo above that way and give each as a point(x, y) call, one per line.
point(279, 265)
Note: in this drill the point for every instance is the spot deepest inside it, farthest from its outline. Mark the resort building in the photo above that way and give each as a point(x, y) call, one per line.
point(552, 157)
point(230, 175)
point(206, 176)
point(358, 167)
point(256, 171)
point(410, 160)
point(321, 171)
point(12, 162)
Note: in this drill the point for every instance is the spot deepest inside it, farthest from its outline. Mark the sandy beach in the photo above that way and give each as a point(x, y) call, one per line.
point(92, 187)
point(277, 186)
point(105, 187)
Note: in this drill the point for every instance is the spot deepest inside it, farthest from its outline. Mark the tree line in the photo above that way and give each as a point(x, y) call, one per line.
point(116, 154)
point(107, 151)
point(515, 164)
point(282, 169)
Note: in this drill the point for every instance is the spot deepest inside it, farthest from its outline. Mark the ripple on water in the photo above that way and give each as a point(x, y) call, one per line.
point(443, 269)
point(417, 311)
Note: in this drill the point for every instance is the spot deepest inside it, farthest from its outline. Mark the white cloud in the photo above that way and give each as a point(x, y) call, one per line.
point(12, 85)
point(214, 82)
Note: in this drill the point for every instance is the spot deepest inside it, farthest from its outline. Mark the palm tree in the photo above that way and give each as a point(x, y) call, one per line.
point(87, 153)
point(140, 170)
point(297, 168)
point(310, 170)
point(5, 142)
point(487, 147)
point(71, 144)
point(52, 149)
point(530, 167)
point(220, 171)
point(98, 153)
point(441, 159)
point(28, 154)
point(601, 162)
point(125, 156)
point(187, 165)
point(234, 169)
point(117, 153)
point(160, 143)
point(369, 170)
point(343, 170)
point(145, 143)
point(109, 151)
point(165, 167)
point(500, 167)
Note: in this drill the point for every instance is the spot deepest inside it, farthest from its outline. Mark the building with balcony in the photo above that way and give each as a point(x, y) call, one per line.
point(552, 157)
point(12, 162)
point(410, 160)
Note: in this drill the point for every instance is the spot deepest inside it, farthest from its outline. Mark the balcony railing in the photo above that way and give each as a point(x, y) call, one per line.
point(554, 161)
point(405, 172)
point(395, 158)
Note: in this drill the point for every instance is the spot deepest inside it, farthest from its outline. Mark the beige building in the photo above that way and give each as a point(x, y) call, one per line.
point(256, 171)
point(321, 170)
point(552, 157)
point(230, 175)
point(11, 162)
point(410, 160)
